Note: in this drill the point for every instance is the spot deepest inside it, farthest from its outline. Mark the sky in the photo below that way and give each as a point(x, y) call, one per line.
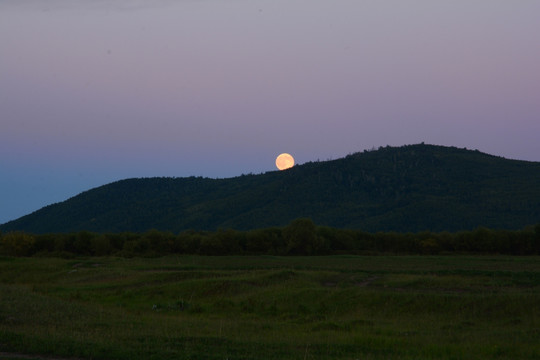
point(97, 91)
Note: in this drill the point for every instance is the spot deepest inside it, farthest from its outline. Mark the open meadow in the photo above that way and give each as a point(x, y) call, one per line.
point(265, 307)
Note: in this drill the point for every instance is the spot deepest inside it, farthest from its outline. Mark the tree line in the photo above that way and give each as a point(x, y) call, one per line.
point(300, 237)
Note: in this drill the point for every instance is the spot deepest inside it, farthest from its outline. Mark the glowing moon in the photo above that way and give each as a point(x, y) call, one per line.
point(284, 161)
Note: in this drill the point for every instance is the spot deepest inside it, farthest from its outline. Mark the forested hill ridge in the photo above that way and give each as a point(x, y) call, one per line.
point(409, 188)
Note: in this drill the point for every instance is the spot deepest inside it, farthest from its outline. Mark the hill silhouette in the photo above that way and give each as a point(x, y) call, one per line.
point(409, 188)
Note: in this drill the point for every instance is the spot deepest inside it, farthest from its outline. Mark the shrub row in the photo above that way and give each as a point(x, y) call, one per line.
point(300, 237)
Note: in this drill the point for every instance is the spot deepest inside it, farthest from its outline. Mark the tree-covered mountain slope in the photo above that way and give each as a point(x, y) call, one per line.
point(409, 188)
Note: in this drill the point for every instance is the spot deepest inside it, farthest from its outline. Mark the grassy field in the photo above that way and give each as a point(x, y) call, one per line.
point(338, 307)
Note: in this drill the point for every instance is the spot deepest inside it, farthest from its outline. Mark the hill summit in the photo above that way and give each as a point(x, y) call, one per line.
point(409, 188)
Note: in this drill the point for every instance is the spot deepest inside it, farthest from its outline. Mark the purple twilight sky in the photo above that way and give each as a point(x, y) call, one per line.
point(93, 91)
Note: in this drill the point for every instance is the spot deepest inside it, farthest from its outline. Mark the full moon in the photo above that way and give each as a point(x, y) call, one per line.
point(284, 161)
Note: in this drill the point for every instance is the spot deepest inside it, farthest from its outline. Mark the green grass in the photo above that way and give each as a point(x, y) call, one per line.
point(339, 307)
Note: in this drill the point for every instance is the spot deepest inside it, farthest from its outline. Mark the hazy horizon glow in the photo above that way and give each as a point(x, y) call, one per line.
point(92, 92)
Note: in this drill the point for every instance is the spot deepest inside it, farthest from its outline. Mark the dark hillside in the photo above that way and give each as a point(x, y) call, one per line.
point(409, 188)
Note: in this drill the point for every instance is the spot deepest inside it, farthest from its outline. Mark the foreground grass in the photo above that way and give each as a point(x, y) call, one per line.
point(339, 307)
